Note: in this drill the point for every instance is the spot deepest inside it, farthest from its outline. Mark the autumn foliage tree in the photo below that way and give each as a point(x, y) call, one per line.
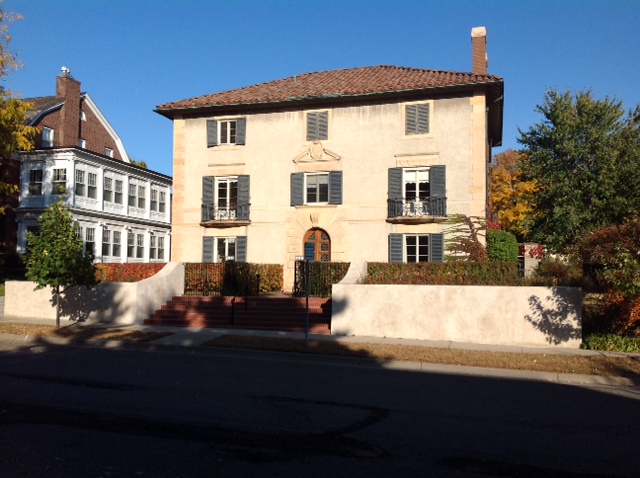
point(15, 134)
point(510, 195)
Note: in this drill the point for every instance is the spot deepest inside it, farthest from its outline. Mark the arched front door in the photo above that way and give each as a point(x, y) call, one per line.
point(317, 245)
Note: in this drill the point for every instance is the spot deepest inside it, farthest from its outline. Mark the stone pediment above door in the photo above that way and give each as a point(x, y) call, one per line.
point(314, 153)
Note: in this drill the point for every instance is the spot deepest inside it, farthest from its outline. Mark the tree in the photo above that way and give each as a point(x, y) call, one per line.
point(584, 157)
point(465, 238)
point(15, 135)
point(140, 164)
point(510, 196)
point(55, 254)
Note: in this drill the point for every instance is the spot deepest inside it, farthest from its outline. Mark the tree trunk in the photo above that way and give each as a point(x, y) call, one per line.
point(57, 290)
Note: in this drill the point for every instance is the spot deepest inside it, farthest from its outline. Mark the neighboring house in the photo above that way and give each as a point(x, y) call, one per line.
point(361, 164)
point(123, 211)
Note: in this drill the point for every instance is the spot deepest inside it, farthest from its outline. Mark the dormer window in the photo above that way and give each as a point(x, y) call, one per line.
point(47, 137)
point(108, 152)
point(82, 143)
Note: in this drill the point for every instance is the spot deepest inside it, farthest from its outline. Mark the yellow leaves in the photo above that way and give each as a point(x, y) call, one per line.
point(511, 197)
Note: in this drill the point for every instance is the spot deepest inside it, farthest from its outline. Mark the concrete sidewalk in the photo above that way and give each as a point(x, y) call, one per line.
point(182, 338)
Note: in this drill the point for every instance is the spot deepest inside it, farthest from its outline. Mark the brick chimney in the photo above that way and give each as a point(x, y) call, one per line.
point(479, 46)
point(69, 89)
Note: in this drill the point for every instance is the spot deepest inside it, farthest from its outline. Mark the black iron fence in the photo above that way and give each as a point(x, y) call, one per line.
point(319, 276)
point(239, 212)
point(224, 278)
point(432, 206)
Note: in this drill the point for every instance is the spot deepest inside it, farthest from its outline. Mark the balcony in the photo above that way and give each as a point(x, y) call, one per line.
point(417, 211)
point(214, 216)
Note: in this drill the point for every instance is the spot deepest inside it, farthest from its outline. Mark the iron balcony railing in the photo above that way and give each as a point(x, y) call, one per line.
point(211, 212)
point(427, 207)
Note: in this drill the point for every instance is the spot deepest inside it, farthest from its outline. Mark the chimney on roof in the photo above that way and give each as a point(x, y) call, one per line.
point(68, 89)
point(479, 51)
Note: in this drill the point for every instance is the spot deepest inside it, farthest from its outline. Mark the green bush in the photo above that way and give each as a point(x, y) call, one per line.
point(557, 272)
point(502, 246)
point(612, 343)
point(445, 273)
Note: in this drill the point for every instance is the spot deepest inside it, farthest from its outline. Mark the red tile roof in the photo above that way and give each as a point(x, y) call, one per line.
point(351, 82)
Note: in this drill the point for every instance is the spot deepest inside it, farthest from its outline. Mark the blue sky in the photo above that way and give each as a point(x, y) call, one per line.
point(132, 55)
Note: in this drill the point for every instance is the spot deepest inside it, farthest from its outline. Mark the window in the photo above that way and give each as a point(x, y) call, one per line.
point(118, 193)
point(82, 143)
point(107, 192)
point(90, 240)
point(163, 201)
point(117, 238)
point(80, 185)
point(142, 192)
point(317, 125)
point(108, 152)
point(416, 247)
point(139, 246)
point(225, 198)
point(415, 192)
point(93, 187)
point(154, 199)
point(106, 243)
point(226, 132)
point(131, 250)
point(59, 183)
point(161, 248)
point(152, 247)
point(221, 249)
point(47, 137)
point(316, 188)
point(132, 195)
point(35, 182)
point(416, 119)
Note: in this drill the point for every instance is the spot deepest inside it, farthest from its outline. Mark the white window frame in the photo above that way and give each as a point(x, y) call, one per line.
point(133, 195)
point(117, 195)
point(80, 187)
point(152, 247)
point(36, 177)
point(227, 131)
point(106, 242)
point(47, 137)
point(416, 255)
point(108, 152)
point(318, 193)
point(142, 197)
point(116, 248)
point(160, 248)
point(82, 143)
point(92, 185)
point(107, 189)
point(90, 238)
point(225, 207)
point(162, 206)
point(59, 182)
point(154, 199)
point(139, 246)
point(224, 249)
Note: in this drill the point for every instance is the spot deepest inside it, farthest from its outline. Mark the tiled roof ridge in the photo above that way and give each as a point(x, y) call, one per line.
point(326, 83)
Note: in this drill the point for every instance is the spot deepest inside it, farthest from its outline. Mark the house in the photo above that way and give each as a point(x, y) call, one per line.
point(123, 210)
point(360, 164)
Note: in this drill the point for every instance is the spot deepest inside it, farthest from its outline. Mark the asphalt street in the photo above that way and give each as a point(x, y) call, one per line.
point(68, 411)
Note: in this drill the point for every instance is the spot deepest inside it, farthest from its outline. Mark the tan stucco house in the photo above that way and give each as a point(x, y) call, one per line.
point(361, 164)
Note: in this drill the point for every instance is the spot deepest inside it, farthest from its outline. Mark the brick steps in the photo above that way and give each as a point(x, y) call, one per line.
point(276, 313)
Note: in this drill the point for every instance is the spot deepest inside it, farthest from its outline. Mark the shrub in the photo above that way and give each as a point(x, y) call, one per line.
point(502, 246)
point(127, 272)
point(446, 273)
point(556, 272)
point(610, 342)
point(231, 277)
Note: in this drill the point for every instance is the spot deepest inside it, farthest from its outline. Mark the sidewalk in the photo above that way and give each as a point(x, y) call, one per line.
point(182, 337)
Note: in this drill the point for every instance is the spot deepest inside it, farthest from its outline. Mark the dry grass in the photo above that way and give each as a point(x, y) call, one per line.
point(628, 366)
point(79, 332)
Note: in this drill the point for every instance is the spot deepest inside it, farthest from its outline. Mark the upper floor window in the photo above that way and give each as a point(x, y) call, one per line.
point(161, 248)
point(416, 119)
point(108, 152)
point(132, 195)
point(317, 125)
point(82, 143)
point(226, 131)
point(118, 194)
point(47, 137)
point(316, 188)
point(417, 192)
point(35, 182)
point(154, 199)
point(107, 189)
point(163, 202)
point(224, 198)
point(142, 192)
point(80, 183)
point(59, 184)
point(93, 185)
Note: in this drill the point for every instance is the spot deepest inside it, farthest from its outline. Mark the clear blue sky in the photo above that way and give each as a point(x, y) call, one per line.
point(132, 55)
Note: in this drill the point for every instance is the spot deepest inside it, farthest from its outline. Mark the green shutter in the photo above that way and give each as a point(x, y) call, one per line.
point(241, 130)
point(438, 187)
point(410, 122)
point(208, 184)
point(437, 248)
point(212, 133)
point(243, 197)
point(312, 126)
point(241, 249)
point(396, 244)
point(297, 189)
point(323, 126)
point(207, 249)
point(394, 193)
point(423, 118)
point(335, 187)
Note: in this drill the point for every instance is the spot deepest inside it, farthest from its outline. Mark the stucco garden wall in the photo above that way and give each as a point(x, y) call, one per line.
point(118, 303)
point(518, 316)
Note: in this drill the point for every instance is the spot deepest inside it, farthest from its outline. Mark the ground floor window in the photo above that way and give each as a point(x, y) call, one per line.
point(416, 248)
point(222, 249)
